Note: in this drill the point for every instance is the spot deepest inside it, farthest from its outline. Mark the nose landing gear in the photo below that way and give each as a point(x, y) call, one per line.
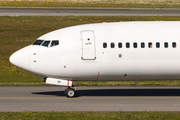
point(69, 92)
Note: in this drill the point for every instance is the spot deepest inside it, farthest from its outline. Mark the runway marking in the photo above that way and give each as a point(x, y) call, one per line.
point(30, 98)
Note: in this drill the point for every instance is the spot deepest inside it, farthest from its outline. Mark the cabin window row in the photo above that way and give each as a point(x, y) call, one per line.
point(142, 45)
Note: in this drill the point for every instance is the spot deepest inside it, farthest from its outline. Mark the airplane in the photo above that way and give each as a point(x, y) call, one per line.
point(139, 50)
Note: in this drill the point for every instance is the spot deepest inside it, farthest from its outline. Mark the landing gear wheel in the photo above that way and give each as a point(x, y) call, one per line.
point(69, 92)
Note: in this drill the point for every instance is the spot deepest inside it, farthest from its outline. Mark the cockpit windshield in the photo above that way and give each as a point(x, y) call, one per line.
point(46, 43)
point(38, 42)
point(54, 43)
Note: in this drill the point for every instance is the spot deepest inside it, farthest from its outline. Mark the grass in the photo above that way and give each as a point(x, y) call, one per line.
point(90, 4)
point(90, 115)
point(17, 32)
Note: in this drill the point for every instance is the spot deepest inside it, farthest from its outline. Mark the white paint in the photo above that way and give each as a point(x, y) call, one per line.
point(65, 62)
point(58, 82)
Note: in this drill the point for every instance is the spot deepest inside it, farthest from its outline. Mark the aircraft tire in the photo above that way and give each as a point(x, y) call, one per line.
point(69, 92)
point(65, 92)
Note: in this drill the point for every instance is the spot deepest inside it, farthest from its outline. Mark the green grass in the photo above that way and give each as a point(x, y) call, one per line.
point(17, 32)
point(89, 115)
point(89, 4)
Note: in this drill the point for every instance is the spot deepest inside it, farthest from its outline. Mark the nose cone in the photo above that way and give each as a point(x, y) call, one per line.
point(21, 58)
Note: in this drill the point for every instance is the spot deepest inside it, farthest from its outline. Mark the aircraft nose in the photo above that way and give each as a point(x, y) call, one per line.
point(21, 58)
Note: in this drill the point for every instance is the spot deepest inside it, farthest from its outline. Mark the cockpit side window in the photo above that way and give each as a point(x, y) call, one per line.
point(38, 42)
point(54, 43)
point(46, 43)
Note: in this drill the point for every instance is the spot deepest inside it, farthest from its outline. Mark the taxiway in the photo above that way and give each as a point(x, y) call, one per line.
point(55, 11)
point(97, 98)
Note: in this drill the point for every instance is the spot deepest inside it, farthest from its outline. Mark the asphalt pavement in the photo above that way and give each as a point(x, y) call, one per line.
point(57, 11)
point(97, 98)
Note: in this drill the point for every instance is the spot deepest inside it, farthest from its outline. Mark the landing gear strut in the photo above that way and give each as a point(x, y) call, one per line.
point(69, 92)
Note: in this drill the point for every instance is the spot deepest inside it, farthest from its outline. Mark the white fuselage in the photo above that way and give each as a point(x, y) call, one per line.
point(81, 55)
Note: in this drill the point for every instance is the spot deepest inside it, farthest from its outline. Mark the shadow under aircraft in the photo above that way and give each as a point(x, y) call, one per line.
point(118, 92)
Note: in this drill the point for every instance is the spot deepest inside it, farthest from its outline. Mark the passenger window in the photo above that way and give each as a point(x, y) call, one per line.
point(54, 43)
point(135, 45)
point(166, 45)
point(142, 45)
point(104, 45)
point(150, 45)
point(157, 45)
point(112, 45)
point(174, 45)
point(38, 42)
point(46, 43)
point(127, 45)
point(120, 45)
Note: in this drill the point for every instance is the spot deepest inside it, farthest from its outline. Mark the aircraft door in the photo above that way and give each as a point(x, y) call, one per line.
point(88, 45)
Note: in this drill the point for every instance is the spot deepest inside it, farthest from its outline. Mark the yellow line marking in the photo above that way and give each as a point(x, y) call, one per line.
point(30, 98)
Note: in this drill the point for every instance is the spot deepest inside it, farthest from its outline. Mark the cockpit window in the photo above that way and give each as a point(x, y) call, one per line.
point(54, 43)
point(38, 42)
point(46, 43)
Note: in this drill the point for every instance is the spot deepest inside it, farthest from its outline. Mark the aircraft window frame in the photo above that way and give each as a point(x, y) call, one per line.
point(150, 45)
point(104, 45)
point(127, 45)
point(157, 45)
point(166, 45)
point(174, 45)
point(120, 45)
point(46, 45)
point(55, 43)
point(135, 45)
point(142, 45)
point(112, 45)
point(39, 43)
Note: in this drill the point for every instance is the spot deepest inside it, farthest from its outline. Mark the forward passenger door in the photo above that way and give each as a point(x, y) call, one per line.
point(88, 45)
